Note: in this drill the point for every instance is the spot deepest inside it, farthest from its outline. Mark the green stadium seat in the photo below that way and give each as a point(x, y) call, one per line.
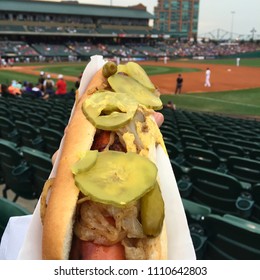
point(256, 198)
point(16, 172)
point(224, 150)
point(18, 115)
point(41, 166)
point(231, 238)
point(200, 157)
point(8, 130)
point(196, 142)
point(9, 209)
point(30, 135)
point(216, 190)
point(57, 124)
point(51, 138)
point(244, 169)
point(36, 120)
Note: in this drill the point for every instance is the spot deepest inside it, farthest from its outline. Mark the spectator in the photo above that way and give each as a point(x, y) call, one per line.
point(41, 78)
point(37, 91)
point(13, 89)
point(61, 86)
point(29, 87)
point(48, 86)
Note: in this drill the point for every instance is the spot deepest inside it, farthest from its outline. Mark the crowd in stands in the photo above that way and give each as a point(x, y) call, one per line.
point(44, 88)
point(73, 50)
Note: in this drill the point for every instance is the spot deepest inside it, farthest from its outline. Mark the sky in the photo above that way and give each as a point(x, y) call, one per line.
point(239, 16)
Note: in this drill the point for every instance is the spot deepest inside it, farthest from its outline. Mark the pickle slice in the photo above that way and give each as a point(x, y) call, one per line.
point(135, 71)
point(117, 178)
point(109, 110)
point(85, 163)
point(152, 212)
point(123, 83)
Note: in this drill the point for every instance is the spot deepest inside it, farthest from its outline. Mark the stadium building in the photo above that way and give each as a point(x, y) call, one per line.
point(178, 17)
point(71, 19)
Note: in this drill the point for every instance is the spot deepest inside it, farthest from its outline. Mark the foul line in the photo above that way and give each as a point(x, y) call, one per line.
point(223, 101)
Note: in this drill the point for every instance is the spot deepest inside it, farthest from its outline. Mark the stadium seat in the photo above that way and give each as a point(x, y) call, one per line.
point(4, 112)
point(200, 157)
point(211, 138)
point(51, 139)
point(255, 154)
point(18, 115)
point(30, 135)
point(41, 167)
point(9, 131)
point(215, 190)
point(195, 211)
point(36, 120)
point(16, 172)
point(244, 169)
point(255, 216)
point(246, 145)
point(224, 150)
point(196, 142)
point(9, 209)
point(231, 238)
point(195, 214)
point(56, 124)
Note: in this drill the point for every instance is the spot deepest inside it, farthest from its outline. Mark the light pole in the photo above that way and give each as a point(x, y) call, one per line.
point(232, 24)
point(253, 33)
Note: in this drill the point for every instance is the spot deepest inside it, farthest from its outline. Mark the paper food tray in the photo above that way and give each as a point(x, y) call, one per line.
point(180, 245)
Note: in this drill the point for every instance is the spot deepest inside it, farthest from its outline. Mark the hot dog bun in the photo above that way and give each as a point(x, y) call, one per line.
point(60, 214)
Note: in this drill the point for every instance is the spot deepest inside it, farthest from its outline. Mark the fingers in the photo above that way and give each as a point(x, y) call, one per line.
point(159, 118)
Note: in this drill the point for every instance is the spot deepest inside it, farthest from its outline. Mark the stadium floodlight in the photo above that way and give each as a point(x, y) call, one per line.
point(232, 24)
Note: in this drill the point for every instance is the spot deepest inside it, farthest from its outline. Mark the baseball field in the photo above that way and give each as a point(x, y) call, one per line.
point(234, 90)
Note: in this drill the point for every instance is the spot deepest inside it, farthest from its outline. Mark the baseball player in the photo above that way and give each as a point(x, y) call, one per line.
point(207, 80)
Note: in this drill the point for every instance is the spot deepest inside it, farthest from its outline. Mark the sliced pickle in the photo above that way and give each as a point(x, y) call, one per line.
point(152, 212)
point(109, 110)
point(117, 178)
point(85, 163)
point(123, 83)
point(121, 68)
point(135, 71)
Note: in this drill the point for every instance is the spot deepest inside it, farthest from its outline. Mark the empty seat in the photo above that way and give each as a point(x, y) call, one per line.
point(224, 150)
point(36, 120)
point(56, 124)
point(231, 238)
point(9, 131)
point(18, 115)
point(51, 139)
point(255, 216)
point(247, 145)
point(9, 209)
point(197, 142)
point(216, 190)
point(244, 169)
point(201, 157)
point(41, 167)
point(16, 172)
point(30, 136)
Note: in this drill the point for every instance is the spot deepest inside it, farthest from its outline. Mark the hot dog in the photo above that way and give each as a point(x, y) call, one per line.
point(105, 200)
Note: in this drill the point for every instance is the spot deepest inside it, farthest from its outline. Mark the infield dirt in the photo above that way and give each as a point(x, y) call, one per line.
point(223, 77)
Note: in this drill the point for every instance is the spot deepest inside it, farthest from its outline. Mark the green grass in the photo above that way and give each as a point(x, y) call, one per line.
point(6, 77)
point(250, 62)
point(160, 70)
point(240, 102)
